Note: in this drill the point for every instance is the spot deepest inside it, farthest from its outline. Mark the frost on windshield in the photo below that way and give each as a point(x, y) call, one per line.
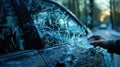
point(57, 28)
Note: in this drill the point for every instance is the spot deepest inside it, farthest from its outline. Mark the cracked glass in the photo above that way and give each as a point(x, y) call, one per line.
point(56, 27)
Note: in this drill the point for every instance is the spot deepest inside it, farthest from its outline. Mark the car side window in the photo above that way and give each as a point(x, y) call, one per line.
point(55, 25)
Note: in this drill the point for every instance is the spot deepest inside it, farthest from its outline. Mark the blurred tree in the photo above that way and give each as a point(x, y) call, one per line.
point(73, 5)
point(115, 13)
point(90, 14)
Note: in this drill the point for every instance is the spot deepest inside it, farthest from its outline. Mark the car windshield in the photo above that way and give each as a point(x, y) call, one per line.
point(55, 26)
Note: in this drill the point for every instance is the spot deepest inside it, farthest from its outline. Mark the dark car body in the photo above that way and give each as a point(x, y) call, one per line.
point(42, 33)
